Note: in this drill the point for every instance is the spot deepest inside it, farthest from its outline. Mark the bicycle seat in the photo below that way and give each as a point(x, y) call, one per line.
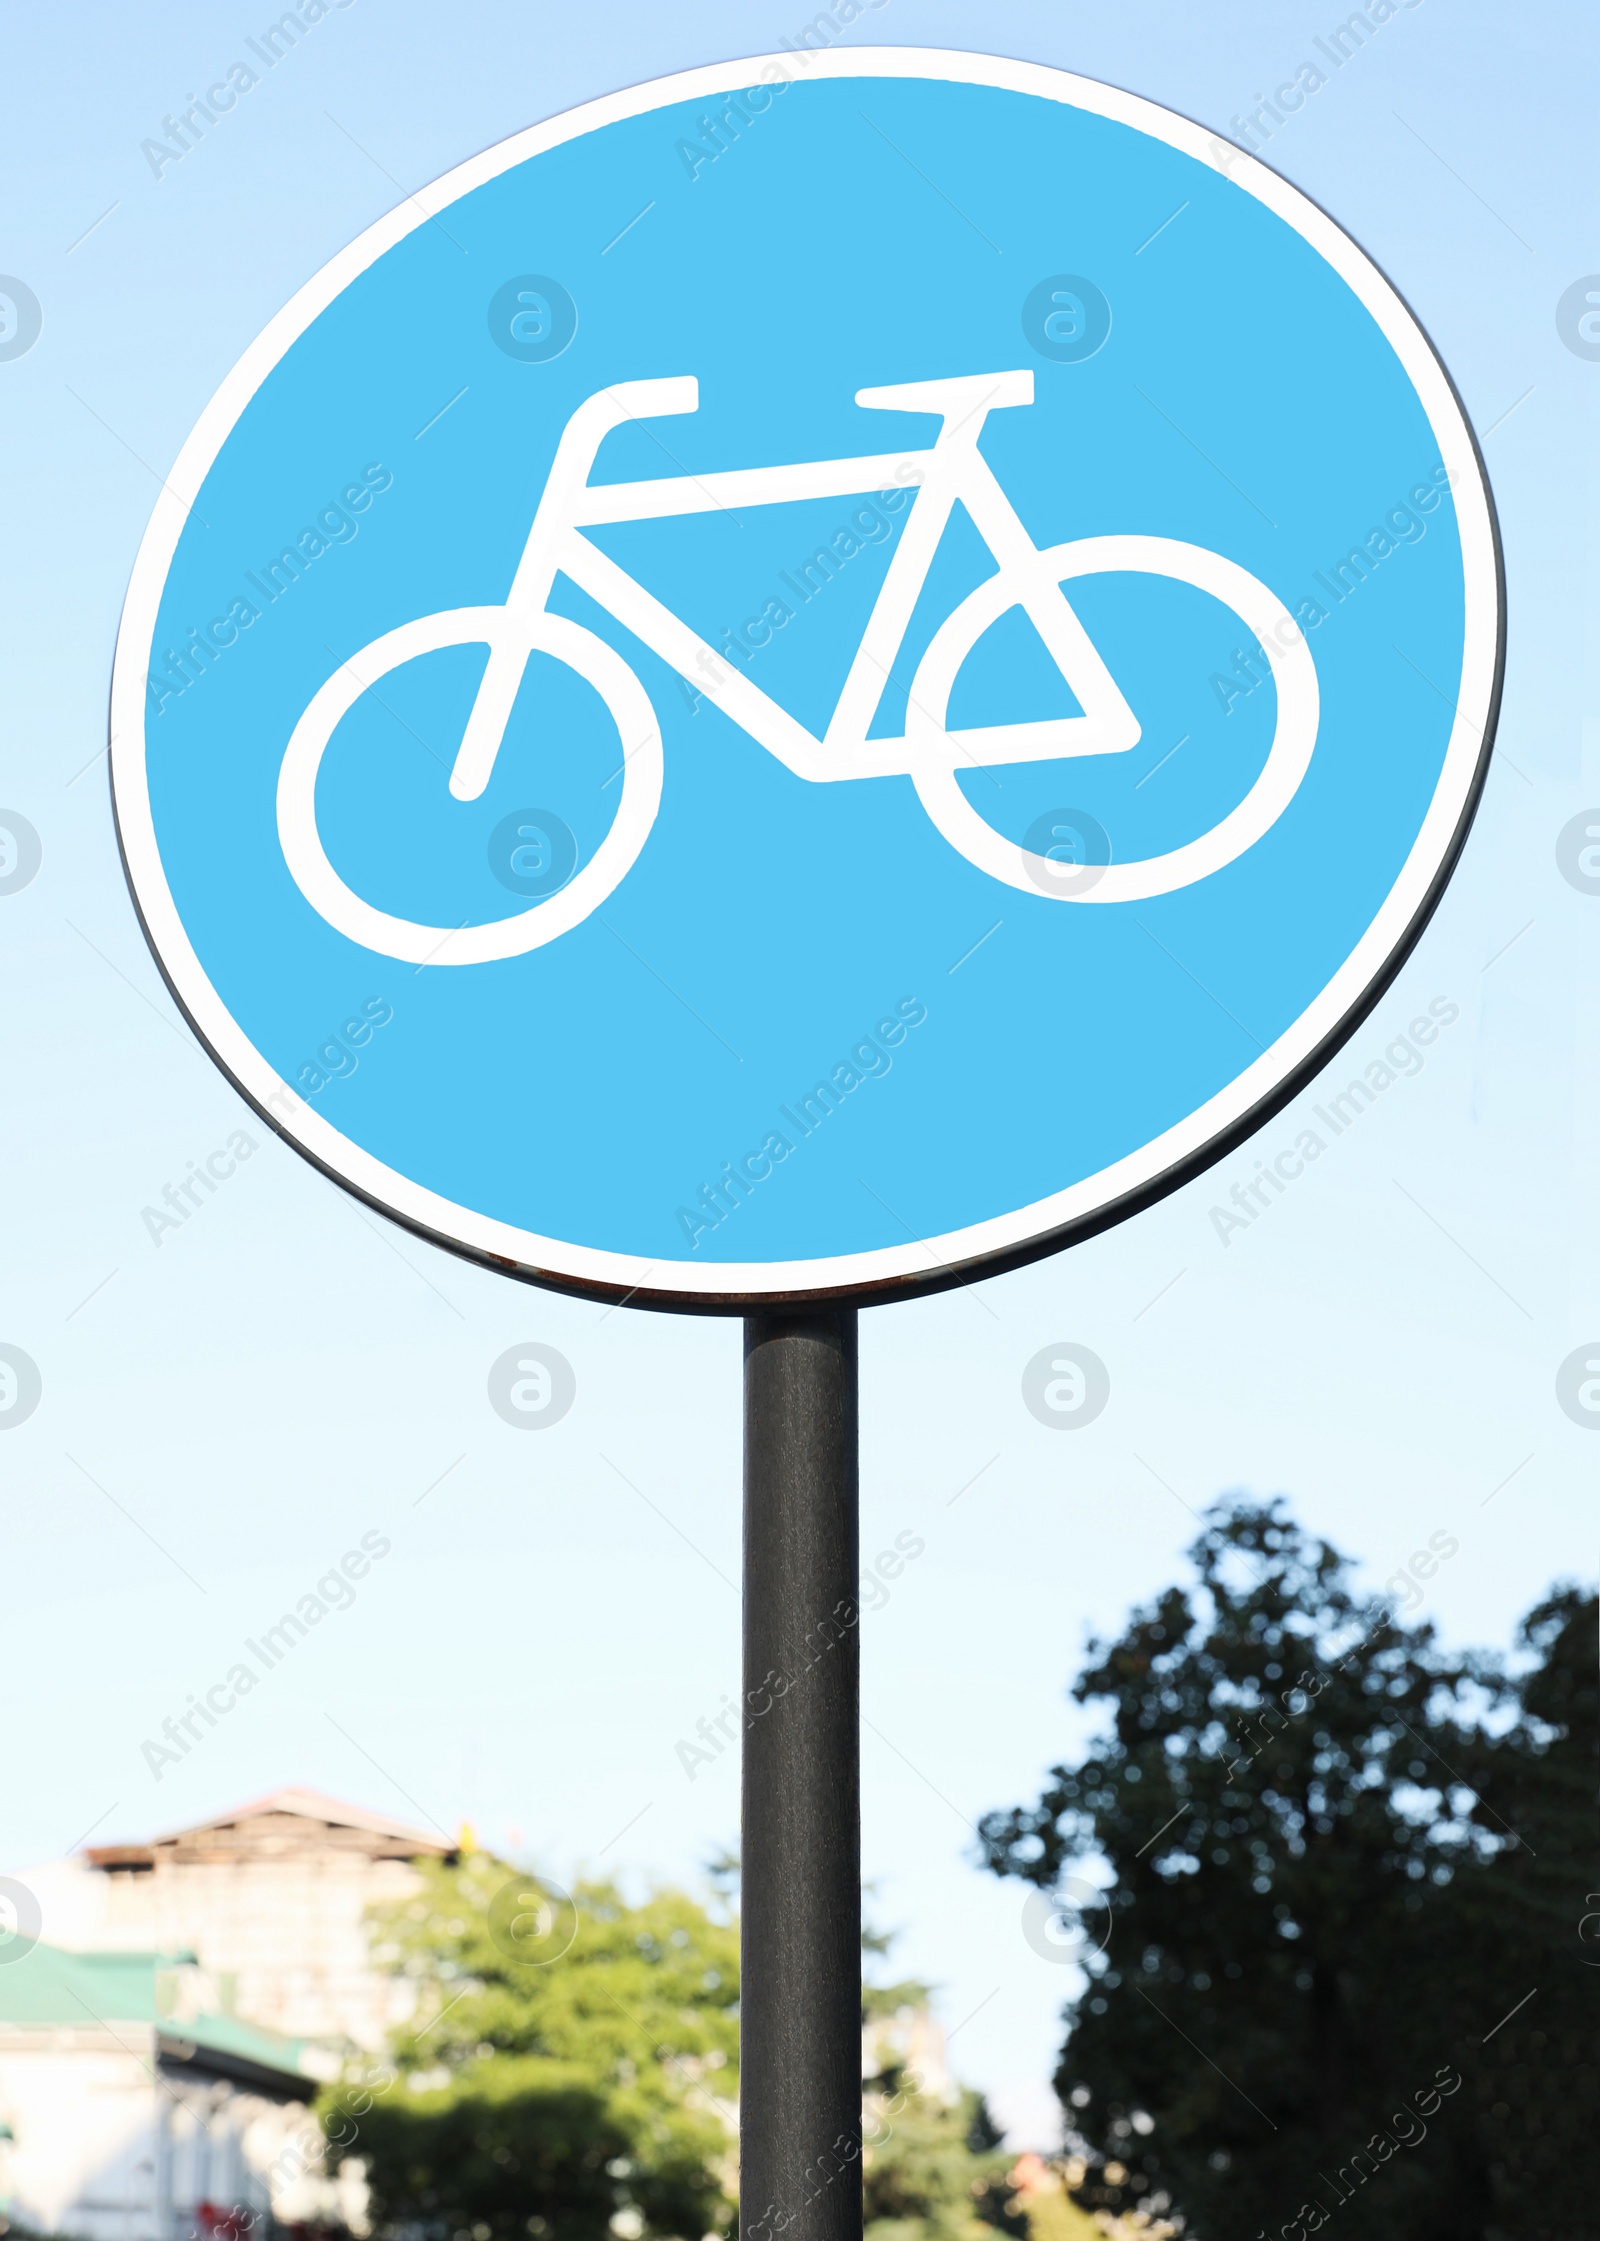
point(952, 394)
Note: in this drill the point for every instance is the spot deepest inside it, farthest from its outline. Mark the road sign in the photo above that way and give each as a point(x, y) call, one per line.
point(819, 675)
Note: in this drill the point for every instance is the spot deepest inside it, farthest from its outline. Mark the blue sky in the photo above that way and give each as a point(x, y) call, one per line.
point(225, 1414)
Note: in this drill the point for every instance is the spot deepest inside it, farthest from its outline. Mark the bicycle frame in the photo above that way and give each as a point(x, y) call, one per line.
point(950, 469)
point(929, 753)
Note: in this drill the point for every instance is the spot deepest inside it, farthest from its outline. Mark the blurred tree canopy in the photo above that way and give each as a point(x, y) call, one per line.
point(571, 2074)
point(572, 2061)
point(932, 2168)
point(1345, 1952)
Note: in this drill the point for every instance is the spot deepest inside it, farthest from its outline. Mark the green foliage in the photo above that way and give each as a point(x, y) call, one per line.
point(929, 2168)
point(542, 2100)
point(1058, 2218)
point(1336, 1861)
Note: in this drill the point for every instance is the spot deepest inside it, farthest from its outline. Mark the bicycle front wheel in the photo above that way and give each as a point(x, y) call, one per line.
point(628, 705)
point(935, 764)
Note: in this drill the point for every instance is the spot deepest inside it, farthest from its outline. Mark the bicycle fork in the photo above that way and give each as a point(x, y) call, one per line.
point(517, 628)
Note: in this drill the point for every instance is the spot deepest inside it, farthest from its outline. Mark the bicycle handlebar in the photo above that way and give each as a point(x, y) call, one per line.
point(649, 400)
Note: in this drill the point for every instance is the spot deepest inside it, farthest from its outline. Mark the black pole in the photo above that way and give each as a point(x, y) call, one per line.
point(800, 1905)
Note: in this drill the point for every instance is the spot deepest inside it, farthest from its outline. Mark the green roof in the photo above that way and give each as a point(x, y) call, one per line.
point(48, 1987)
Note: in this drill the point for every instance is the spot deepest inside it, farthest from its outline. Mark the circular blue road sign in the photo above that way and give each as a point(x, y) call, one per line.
point(823, 674)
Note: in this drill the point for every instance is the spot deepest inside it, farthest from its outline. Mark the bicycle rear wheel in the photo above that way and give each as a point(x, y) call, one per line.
point(936, 761)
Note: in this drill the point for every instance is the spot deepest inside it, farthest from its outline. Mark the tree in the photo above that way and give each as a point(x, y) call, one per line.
point(1044, 2196)
point(1528, 1928)
point(595, 2094)
point(932, 2169)
point(570, 2070)
point(1304, 1819)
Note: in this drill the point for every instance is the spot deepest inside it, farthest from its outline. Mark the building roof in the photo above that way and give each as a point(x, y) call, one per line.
point(49, 1989)
point(289, 1819)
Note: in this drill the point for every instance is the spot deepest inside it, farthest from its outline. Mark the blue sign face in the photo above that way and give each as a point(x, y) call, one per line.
point(816, 675)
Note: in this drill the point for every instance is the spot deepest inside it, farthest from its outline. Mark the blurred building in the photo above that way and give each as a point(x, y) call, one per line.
point(161, 2045)
point(908, 2040)
point(131, 2108)
point(162, 2041)
point(270, 1898)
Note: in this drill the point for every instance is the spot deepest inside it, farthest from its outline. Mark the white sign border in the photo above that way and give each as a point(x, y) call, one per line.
point(984, 1247)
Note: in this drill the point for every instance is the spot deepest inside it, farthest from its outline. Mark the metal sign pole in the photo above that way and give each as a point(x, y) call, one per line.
point(283, 861)
point(800, 1909)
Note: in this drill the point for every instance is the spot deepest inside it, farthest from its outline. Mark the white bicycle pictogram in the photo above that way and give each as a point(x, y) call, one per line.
point(951, 469)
